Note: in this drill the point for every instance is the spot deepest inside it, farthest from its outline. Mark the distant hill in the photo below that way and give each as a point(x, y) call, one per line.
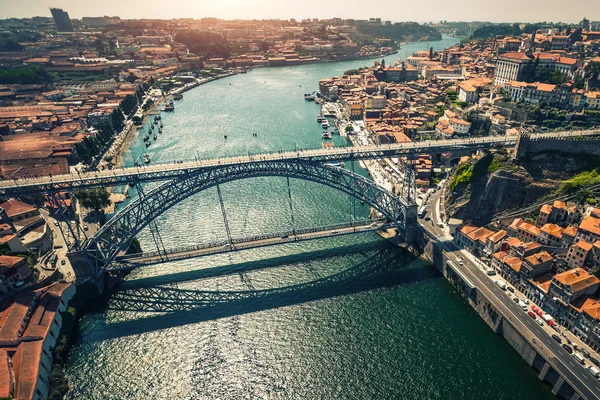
point(402, 31)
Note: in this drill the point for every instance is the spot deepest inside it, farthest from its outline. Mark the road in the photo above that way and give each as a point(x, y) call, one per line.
point(169, 171)
point(559, 358)
point(131, 261)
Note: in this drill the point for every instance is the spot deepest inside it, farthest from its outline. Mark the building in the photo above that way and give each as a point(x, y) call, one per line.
point(568, 286)
point(523, 230)
point(536, 265)
point(62, 20)
point(579, 253)
point(14, 272)
point(401, 74)
point(468, 91)
point(509, 67)
point(550, 235)
point(29, 329)
point(589, 229)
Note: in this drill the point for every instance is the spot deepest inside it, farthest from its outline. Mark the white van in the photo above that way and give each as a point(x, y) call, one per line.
point(579, 358)
point(522, 305)
point(501, 284)
point(594, 371)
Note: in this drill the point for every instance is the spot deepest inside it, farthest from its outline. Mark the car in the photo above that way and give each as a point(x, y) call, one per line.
point(334, 232)
point(516, 300)
point(595, 361)
point(539, 321)
point(567, 348)
point(557, 338)
point(531, 314)
point(491, 272)
point(55, 223)
point(62, 262)
point(459, 261)
point(85, 227)
point(285, 236)
point(428, 218)
point(526, 301)
point(510, 289)
point(441, 224)
point(585, 353)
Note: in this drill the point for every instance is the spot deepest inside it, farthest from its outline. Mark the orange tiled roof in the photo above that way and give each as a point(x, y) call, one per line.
point(585, 246)
point(570, 230)
point(538, 258)
point(552, 230)
point(513, 262)
point(577, 278)
point(560, 204)
point(590, 224)
point(14, 207)
point(546, 209)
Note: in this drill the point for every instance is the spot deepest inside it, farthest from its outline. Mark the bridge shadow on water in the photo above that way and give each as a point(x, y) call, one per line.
point(256, 265)
point(176, 307)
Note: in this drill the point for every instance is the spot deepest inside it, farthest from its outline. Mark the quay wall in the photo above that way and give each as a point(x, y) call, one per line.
point(499, 323)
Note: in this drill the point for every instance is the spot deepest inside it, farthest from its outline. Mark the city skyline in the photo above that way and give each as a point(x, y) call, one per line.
point(470, 10)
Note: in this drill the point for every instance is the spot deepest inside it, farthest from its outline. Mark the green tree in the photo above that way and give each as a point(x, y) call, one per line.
point(96, 198)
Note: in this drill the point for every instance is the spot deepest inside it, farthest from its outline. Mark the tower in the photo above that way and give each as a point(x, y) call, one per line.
point(62, 20)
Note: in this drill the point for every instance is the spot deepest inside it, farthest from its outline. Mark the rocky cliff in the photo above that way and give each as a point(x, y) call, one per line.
point(499, 183)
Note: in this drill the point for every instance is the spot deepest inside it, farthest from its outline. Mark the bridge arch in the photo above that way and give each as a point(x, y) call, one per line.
point(118, 233)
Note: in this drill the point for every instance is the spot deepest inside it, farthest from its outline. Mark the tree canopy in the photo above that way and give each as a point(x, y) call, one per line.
point(205, 44)
point(25, 75)
point(95, 199)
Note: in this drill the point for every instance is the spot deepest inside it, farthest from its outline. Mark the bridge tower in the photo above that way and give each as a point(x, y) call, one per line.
point(522, 147)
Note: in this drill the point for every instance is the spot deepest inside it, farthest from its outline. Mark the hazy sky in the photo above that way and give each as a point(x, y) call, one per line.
point(395, 10)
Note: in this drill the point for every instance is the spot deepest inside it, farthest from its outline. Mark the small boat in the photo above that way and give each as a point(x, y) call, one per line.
point(155, 122)
point(161, 125)
point(158, 117)
point(148, 143)
point(225, 136)
point(326, 136)
point(149, 131)
point(325, 124)
point(309, 97)
point(159, 130)
point(155, 136)
point(321, 119)
point(146, 158)
point(178, 96)
point(136, 163)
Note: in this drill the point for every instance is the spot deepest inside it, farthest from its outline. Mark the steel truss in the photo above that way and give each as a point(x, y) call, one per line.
point(134, 175)
point(118, 233)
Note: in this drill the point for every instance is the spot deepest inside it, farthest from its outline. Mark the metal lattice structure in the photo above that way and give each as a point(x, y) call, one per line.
point(117, 234)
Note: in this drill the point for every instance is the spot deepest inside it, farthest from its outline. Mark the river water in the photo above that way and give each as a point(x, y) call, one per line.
point(341, 318)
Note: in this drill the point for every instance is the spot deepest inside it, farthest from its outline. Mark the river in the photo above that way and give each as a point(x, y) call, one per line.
point(352, 317)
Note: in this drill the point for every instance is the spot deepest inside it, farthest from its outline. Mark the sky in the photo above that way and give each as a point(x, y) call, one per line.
point(394, 10)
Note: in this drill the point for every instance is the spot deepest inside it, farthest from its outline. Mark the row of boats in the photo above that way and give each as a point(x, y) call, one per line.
point(151, 133)
point(327, 135)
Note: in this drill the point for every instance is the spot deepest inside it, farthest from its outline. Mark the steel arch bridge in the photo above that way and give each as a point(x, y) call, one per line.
point(116, 235)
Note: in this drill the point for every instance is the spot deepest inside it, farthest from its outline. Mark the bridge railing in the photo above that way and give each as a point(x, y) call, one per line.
point(289, 235)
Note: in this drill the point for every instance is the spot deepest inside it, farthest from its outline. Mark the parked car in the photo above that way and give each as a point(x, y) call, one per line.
point(585, 353)
point(567, 348)
point(510, 289)
point(539, 321)
point(557, 338)
point(62, 262)
point(516, 300)
point(595, 361)
point(531, 314)
point(459, 260)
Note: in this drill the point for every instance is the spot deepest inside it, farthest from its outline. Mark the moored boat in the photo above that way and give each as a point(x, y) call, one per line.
point(146, 158)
